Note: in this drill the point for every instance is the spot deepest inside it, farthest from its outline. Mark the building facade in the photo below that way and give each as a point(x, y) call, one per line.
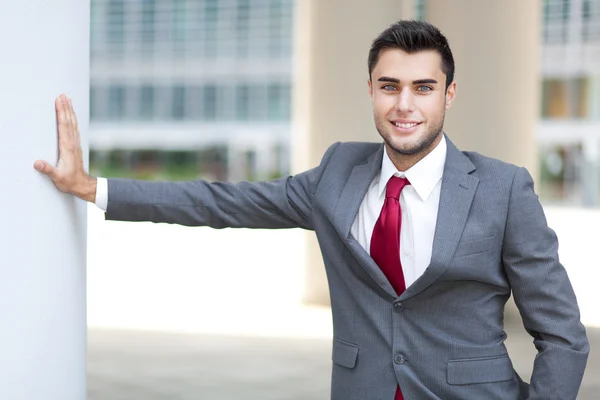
point(203, 88)
point(569, 129)
point(199, 87)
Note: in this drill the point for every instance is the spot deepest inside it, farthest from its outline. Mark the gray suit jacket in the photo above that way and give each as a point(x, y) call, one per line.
point(443, 338)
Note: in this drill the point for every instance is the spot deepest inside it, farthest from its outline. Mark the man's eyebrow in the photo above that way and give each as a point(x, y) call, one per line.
point(415, 82)
point(388, 79)
point(421, 81)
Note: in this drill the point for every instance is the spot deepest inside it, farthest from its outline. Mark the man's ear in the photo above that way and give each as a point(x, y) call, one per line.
point(370, 84)
point(450, 94)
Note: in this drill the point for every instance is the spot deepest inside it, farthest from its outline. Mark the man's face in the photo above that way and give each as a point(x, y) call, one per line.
point(409, 97)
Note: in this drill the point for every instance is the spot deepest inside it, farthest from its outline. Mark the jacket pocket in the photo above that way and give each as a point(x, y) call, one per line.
point(476, 246)
point(344, 353)
point(480, 370)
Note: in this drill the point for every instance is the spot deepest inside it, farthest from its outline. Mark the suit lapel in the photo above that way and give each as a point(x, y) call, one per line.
point(354, 191)
point(457, 192)
point(346, 210)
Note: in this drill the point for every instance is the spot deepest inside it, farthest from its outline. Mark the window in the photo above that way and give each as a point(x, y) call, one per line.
point(178, 103)
point(148, 24)
point(146, 102)
point(566, 98)
point(116, 102)
point(280, 28)
point(420, 10)
point(211, 15)
point(556, 20)
point(242, 27)
point(591, 20)
point(209, 103)
point(179, 26)
point(115, 25)
point(278, 98)
point(242, 102)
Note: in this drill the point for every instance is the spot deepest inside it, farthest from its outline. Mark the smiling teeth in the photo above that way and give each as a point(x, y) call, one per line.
point(406, 126)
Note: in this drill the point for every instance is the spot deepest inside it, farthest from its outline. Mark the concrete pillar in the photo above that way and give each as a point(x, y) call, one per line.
point(496, 46)
point(45, 52)
point(330, 100)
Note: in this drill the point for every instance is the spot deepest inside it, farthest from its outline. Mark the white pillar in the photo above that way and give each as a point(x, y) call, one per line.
point(45, 52)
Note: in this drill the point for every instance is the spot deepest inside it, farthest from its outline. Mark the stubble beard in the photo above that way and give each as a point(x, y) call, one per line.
point(423, 145)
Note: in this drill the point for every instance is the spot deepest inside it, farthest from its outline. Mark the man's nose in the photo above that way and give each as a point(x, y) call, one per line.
point(405, 101)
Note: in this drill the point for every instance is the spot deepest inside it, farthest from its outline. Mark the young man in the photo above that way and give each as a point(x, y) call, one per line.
point(423, 244)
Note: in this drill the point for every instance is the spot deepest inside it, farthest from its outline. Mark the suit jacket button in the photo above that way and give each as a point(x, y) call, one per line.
point(398, 306)
point(399, 359)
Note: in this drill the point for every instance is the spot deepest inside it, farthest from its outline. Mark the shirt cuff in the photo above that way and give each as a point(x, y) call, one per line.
point(102, 193)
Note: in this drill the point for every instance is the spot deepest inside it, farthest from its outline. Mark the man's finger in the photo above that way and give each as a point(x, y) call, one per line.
point(45, 168)
point(73, 117)
point(64, 134)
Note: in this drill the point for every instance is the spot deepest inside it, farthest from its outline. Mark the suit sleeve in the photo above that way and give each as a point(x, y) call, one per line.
point(281, 203)
point(543, 295)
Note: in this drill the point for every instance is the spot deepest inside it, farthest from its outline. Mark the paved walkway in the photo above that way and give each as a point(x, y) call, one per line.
point(126, 365)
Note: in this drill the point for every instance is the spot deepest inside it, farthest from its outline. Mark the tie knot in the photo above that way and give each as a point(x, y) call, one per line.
point(395, 186)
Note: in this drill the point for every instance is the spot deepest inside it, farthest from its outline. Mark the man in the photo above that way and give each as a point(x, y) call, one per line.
point(423, 244)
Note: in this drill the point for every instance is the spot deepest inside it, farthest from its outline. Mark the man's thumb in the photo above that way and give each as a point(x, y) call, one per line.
point(44, 167)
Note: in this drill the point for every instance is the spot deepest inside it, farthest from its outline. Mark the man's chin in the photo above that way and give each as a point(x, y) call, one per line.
point(407, 149)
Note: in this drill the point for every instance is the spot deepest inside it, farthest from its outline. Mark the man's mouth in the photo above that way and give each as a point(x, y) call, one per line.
point(406, 125)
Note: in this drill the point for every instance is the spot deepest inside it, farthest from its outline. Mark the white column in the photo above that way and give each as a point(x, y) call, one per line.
point(45, 52)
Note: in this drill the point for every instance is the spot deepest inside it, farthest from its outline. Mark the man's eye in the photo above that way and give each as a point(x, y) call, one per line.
point(424, 88)
point(389, 87)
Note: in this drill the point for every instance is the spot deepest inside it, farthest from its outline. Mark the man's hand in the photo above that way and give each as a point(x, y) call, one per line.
point(69, 176)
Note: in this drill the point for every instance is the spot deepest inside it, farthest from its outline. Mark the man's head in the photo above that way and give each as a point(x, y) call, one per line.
point(411, 84)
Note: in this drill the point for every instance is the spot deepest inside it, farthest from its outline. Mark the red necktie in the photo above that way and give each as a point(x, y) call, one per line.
point(385, 242)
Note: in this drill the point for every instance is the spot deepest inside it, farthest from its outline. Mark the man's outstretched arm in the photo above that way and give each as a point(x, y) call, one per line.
point(68, 175)
point(282, 203)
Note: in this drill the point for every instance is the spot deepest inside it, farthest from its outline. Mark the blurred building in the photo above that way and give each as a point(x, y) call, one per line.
point(569, 131)
point(202, 88)
point(191, 88)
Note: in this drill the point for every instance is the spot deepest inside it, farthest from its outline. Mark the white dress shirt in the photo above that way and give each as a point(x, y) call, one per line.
point(419, 202)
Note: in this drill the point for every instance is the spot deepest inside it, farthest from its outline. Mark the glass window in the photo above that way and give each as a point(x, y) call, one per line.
point(556, 20)
point(209, 102)
point(242, 102)
point(420, 10)
point(280, 27)
point(566, 98)
point(178, 103)
point(146, 102)
point(116, 102)
point(278, 96)
point(242, 27)
point(211, 16)
point(179, 20)
point(591, 20)
point(148, 23)
point(115, 25)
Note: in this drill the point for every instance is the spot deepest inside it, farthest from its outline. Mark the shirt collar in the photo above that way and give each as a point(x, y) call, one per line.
point(423, 176)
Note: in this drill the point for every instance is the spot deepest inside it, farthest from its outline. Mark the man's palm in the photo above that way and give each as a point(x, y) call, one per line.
point(69, 175)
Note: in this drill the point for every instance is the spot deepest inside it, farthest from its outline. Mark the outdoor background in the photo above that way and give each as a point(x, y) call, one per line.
point(202, 89)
